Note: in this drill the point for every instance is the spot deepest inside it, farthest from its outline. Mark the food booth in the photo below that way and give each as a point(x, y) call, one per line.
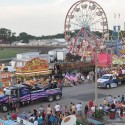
point(31, 70)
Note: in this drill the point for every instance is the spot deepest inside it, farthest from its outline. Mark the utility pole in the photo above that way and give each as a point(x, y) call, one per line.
point(111, 57)
point(96, 85)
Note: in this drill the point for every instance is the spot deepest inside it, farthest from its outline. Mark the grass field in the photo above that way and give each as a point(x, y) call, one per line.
point(10, 52)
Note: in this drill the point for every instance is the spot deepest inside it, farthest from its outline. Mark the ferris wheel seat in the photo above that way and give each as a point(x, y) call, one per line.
point(84, 6)
point(99, 13)
point(71, 16)
point(92, 7)
point(76, 9)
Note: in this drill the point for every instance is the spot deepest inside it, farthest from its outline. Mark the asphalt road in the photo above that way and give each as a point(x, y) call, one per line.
point(80, 93)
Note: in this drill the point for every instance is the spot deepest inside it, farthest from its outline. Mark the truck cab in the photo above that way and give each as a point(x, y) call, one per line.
point(107, 81)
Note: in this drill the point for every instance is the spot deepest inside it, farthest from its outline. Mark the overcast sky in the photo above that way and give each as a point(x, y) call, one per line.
point(46, 17)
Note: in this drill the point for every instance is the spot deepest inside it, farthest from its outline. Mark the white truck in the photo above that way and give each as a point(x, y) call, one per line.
point(58, 54)
point(52, 54)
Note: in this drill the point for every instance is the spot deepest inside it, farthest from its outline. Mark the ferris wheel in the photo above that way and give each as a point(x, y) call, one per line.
point(86, 27)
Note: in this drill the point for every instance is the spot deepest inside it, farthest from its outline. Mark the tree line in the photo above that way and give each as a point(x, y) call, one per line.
point(8, 37)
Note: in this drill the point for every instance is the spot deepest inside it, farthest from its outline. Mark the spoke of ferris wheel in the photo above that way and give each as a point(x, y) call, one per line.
point(92, 16)
point(93, 13)
point(76, 24)
point(96, 21)
point(89, 16)
point(77, 18)
point(82, 14)
point(79, 15)
point(87, 10)
point(90, 12)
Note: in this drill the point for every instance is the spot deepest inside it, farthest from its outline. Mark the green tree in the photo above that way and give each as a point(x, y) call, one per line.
point(5, 34)
point(24, 37)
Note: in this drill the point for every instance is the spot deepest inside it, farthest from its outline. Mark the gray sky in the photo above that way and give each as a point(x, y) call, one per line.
point(46, 17)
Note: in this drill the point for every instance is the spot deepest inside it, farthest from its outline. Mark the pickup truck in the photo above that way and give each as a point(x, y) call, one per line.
point(26, 94)
point(108, 81)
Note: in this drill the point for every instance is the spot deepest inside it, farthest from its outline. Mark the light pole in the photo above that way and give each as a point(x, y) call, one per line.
point(96, 85)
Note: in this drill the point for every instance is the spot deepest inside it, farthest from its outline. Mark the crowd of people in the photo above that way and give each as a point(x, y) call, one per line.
point(48, 115)
point(54, 115)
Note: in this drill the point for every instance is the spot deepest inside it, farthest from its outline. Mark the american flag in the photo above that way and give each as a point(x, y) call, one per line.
point(67, 76)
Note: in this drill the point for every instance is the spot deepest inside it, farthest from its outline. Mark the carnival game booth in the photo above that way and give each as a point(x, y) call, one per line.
point(31, 70)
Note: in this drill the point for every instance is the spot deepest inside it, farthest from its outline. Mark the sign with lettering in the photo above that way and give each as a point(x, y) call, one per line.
point(34, 65)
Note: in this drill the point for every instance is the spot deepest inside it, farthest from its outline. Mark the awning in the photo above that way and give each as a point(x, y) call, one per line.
point(46, 72)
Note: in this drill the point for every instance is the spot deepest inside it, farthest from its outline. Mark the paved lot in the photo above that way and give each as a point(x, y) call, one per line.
point(80, 93)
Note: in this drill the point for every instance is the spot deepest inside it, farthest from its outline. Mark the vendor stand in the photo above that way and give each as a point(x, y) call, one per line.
point(32, 71)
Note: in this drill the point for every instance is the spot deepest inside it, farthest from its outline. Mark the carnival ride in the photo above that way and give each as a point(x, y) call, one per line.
point(117, 41)
point(86, 28)
point(117, 44)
